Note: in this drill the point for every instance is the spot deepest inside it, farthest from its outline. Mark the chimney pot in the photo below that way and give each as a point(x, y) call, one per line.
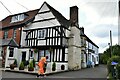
point(74, 15)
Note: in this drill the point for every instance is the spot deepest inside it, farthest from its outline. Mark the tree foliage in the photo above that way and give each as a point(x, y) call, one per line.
point(106, 55)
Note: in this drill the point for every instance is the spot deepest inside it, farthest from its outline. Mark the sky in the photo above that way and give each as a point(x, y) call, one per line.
point(97, 17)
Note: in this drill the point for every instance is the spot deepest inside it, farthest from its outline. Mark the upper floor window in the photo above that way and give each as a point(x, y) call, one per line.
point(14, 33)
point(5, 34)
point(42, 33)
point(17, 18)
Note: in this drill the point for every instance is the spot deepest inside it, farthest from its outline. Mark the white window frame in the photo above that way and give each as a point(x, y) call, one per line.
point(42, 34)
point(15, 33)
point(17, 18)
point(5, 34)
point(31, 53)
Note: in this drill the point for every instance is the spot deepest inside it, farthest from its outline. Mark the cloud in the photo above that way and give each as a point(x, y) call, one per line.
point(105, 9)
point(103, 30)
point(98, 17)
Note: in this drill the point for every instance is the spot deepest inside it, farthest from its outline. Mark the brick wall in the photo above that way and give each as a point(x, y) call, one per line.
point(1, 34)
point(17, 39)
point(10, 35)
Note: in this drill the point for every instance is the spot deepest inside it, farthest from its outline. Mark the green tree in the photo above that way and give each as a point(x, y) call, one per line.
point(106, 55)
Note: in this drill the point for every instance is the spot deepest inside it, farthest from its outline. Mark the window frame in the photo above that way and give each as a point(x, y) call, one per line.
point(42, 34)
point(5, 34)
point(31, 54)
point(11, 52)
point(17, 18)
point(14, 32)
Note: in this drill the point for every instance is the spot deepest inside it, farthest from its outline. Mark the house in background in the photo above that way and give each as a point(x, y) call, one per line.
point(46, 32)
point(89, 50)
point(10, 37)
point(9, 48)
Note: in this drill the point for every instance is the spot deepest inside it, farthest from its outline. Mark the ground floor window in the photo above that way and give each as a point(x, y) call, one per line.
point(24, 56)
point(44, 53)
point(57, 55)
point(47, 55)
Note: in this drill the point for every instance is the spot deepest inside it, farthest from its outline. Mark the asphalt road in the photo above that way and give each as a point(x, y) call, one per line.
point(0, 74)
point(97, 72)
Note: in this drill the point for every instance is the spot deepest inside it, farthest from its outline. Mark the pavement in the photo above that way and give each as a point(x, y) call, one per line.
point(97, 72)
point(49, 72)
point(0, 74)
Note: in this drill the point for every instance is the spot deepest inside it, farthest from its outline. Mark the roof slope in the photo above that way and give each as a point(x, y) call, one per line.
point(8, 42)
point(6, 23)
point(88, 39)
point(62, 20)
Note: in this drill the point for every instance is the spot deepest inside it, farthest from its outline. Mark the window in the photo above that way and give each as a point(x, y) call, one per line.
point(14, 33)
point(47, 55)
point(42, 33)
point(41, 54)
point(31, 53)
point(17, 18)
point(5, 34)
point(23, 55)
point(11, 52)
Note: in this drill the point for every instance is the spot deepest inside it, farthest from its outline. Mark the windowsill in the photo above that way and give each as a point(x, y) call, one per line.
point(10, 58)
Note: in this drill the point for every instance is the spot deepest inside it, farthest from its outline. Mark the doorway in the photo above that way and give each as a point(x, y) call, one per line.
point(24, 56)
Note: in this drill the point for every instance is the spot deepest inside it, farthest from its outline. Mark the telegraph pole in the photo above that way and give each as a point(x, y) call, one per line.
point(110, 43)
point(119, 22)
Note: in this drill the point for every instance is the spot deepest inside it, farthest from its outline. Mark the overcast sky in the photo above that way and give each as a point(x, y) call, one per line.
point(97, 17)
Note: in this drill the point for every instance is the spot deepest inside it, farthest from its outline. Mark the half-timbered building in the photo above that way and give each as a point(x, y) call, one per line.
point(89, 50)
point(48, 34)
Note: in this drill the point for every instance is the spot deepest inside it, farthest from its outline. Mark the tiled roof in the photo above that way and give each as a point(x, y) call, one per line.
point(6, 23)
point(88, 39)
point(8, 42)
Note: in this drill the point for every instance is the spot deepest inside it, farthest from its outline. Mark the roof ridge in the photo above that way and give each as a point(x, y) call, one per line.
point(19, 13)
point(58, 16)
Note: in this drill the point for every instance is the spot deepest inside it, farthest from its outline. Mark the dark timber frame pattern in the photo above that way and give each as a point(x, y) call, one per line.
point(53, 41)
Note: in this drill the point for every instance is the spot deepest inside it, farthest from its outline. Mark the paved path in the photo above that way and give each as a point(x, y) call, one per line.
point(0, 74)
point(97, 72)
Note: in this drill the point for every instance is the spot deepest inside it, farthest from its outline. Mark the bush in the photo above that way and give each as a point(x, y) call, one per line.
point(35, 50)
point(53, 66)
point(115, 59)
point(21, 67)
point(30, 67)
point(118, 71)
point(12, 66)
point(111, 67)
point(33, 62)
point(26, 63)
point(15, 63)
point(110, 76)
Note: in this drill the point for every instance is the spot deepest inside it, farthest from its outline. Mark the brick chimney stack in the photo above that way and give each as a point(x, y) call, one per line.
point(74, 49)
point(74, 16)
